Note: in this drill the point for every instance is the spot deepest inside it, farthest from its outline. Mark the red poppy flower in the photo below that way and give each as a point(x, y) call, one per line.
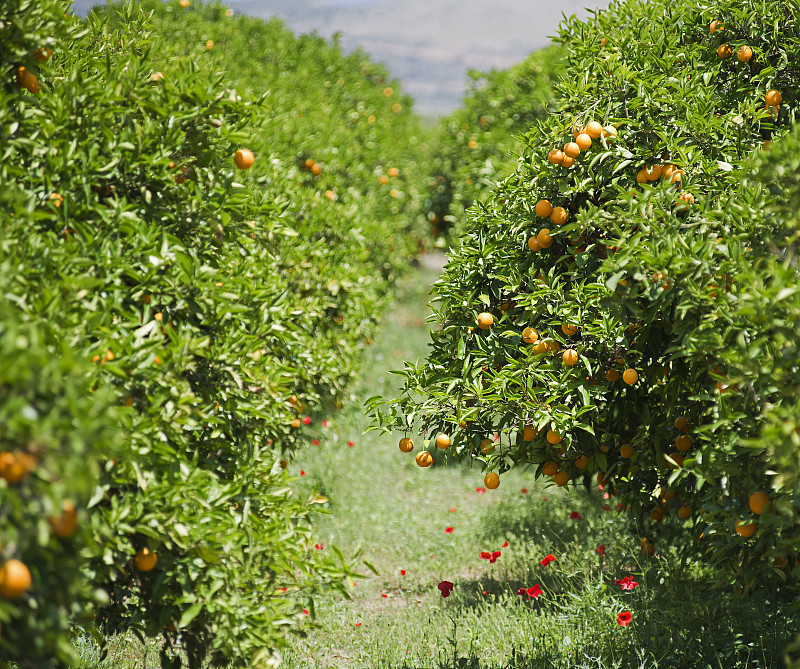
point(606, 507)
point(505, 543)
point(305, 611)
point(535, 591)
point(402, 572)
point(575, 516)
point(485, 555)
point(606, 495)
point(484, 592)
point(524, 491)
point(452, 509)
point(351, 444)
point(327, 423)
point(601, 549)
point(619, 507)
point(548, 559)
point(315, 442)
point(302, 472)
point(624, 618)
point(445, 587)
point(448, 530)
point(480, 491)
point(627, 583)
point(544, 499)
point(358, 624)
point(306, 420)
point(494, 556)
point(282, 589)
point(522, 591)
point(319, 546)
point(384, 595)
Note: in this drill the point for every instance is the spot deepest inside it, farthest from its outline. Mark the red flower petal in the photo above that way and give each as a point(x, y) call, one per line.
point(358, 624)
point(307, 420)
point(402, 572)
point(448, 530)
point(384, 595)
point(601, 549)
point(485, 555)
point(535, 591)
point(624, 618)
point(496, 554)
point(327, 423)
point(480, 491)
point(575, 516)
point(305, 611)
point(548, 559)
point(524, 491)
point(302, 472)
point(521, 591)
point(351, 444)
point(505, 543)
point(452, 509)
point(315, 442)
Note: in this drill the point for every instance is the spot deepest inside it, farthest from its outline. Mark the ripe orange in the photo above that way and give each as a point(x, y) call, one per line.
point(612, 375)
point(543, 208)
point(424, 459)
point(683, 442)
point(556, 156)
point(641, 176)
point(529, 433)
point(630, 376)
point(681, 423)
point(145, 559)
point(725, 51)
point(758, 502)
point(540, 348)
point(609, 132)
point(552, 345)
point(582, 462)
point(491, 480)
point(544, 238)
point(393, 172)
point(14, 468)
point(571, 150)
point(184, 3)
point(561, 478)
point(657, 514)
point(601, 476)
point(583, 141)
point(549, 468)
point(594, 129)
point(716, 25)
point(485, 320)
point(685, 512)
point(559, 216)
point(295, 422)
point(654, 173)
point(648, 547)
point(688, 198)
point(570, 357)
point(626, 450)
point(15, 579)
point(65, 524)
point(27, 80)
point(443, 441)
point(773, 98)
point(533, 244)
point(553, 437)
point(209, 44)
point(677, 457)
point(42, 53)
point(530, 336)
point(568, 162)
point(487, 446)
point(569, 330)
point(744, 54)
point(745, 528)
point(406, 445)
point(243, 159)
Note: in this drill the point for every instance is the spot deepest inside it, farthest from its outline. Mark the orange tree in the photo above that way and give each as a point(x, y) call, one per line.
point(597, 313)
point(153, 457)
point(479, 143)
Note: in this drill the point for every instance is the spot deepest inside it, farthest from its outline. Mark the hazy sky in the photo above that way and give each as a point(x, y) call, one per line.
point(428, 44)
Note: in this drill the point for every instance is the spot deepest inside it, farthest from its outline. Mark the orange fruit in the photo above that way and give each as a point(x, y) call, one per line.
point(654, 173)
point(683, 442)
point(744, 54)
point(601, 477)
point(485, 320)
point(443, 441)
point(552, 345)
point(688, 198)
point(530, 336)
point(65, 524)
point(583, 141)
point(184, 3)
point(648, 547)
point(773, 98)
point(15, 579)
point(657, 514)
point(568, 162)
point(491, 480)
point(533, 244)
point(544, 238)
point(549, 468)
point(487, 446)
point(406, 445)
point(561, 478)
point(716, 25)
point(582, 462)
point(570, 357)
point(209, 44)
point(677, 457)
point(540, 348)
point(559, 216)
point(594, 129)
point(393, 172)
point(556, 156)
point(569, 330)
point(630, 376)
point(685, 512)
point(641, 176)
point(243, 159)
point(609, 132)
point(745, 528)
point(571, 150)
point(681, 423)
point(27, 80)
point(725, 51)
point(553, 437)
point(612, 375)
point(758, 501)
point(13, 467)
point(529, 433)
point(42, 53)
point(603, 41)
point(145, 559)
point(626, 450)
point(424, 459)
point(295, 422)
point(543, 208)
